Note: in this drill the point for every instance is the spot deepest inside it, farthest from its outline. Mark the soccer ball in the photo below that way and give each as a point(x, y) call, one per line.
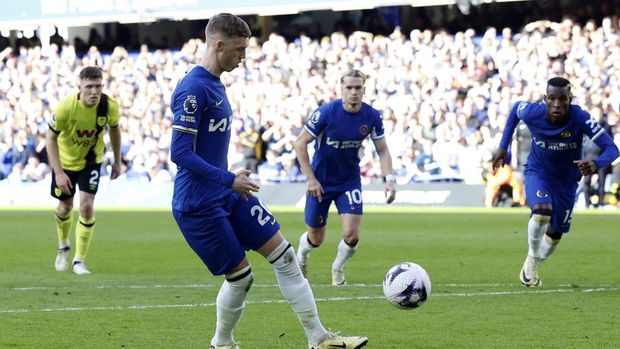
point(407, 285)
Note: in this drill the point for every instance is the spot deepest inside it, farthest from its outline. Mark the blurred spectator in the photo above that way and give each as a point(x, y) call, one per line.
point(445, 96)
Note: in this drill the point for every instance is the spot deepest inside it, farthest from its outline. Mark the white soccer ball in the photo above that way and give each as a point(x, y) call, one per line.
point(407, 285)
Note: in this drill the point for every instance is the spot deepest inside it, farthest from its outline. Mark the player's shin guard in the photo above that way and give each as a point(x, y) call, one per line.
point(296, 290)
point(83, 234)
point(536, 227)
point(230, 303)
point(345, 251)
point(63, 229)
point(547, 247)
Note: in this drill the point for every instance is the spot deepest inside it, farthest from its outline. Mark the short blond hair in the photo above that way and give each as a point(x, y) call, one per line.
point(353, 73)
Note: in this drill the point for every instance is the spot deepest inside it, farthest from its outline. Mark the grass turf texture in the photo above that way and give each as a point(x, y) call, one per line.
point(149, 290)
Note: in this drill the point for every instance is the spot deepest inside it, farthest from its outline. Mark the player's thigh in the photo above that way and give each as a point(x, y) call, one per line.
point(315, 211)
point(538, 189)
point(349, 200)
point(212, 239)
point(57, 193)
point(563, 202)
point(252, 222)
point(88, 180)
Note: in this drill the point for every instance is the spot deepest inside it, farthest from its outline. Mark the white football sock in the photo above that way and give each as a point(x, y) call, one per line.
point(535, 232)
point(345, 251)
point(230, 302)
point(547, 246)
point(296, 290)
point(303, 252)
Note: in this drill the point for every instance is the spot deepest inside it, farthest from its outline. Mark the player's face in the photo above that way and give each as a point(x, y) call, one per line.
point(558, 101)
point(90, 91)
point(352, 90)
point(232, 52)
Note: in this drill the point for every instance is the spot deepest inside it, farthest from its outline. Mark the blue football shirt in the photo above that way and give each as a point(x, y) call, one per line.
point(555, 147)
point(200, 138)
point(338, 138)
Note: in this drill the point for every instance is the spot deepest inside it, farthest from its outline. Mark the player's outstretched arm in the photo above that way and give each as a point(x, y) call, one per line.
point(499, 159)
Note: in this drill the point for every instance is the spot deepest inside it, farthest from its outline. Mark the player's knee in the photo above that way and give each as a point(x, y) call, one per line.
point(241, 278)
point(542, 215)
point(64, 211)
point(280, 254)
point(316, 236)
point(553, 237)
point(351, 241)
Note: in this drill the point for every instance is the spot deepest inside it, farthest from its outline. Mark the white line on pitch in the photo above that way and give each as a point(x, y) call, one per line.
point(330, 299)
point(44, 288)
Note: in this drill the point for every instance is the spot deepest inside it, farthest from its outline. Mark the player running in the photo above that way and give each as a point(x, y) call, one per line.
point(554, 167)
point(338, 129)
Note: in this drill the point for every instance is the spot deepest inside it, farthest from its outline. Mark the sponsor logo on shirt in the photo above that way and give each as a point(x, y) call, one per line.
point(594, 126)
point(556, 145)
point(188, 118)
point(346, 144)
point(221, 125)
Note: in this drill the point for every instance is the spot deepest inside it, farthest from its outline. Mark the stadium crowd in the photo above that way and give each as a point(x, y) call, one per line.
point(445, 97)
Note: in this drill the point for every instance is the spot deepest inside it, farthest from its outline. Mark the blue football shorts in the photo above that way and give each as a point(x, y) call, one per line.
point(541, 188)
point(348, 199)
point(221, 236)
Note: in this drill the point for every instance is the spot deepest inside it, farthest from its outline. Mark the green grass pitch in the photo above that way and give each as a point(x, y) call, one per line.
point(149, 290)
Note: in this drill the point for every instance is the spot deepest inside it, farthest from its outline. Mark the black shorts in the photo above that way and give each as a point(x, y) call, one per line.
point(87, 179)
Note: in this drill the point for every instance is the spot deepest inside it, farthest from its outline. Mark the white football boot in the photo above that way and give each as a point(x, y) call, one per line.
point(229, 346)
point(338, 277)
point(529, 272)
point(333, 340)
point(79, 268)
point(62, 259)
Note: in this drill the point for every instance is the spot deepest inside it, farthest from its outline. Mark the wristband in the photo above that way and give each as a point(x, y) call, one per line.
point(389, 178)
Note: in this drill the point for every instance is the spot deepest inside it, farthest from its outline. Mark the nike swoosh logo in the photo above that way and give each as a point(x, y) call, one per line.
point(218, 103)
point(524, 277)
point(343, 345)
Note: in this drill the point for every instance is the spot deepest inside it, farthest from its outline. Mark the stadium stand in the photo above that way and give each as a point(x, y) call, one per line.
point(445, 90)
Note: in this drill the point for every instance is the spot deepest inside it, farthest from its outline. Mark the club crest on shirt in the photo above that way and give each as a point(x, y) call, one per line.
point(566, 134)
point(364, 130)
point(190, 105)
point(102, 120)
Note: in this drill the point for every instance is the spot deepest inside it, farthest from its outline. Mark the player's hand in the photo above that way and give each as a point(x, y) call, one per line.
point(315, 189)
point(498, 159)
point(587, 167)
point(116, 170)
point(244, 185)
point(63, 183)
point(390, 192)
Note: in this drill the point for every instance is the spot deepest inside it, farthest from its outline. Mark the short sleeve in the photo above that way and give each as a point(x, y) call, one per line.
point(377, 129)
point(113, 114)
point(316, 122)
point(58, 119)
